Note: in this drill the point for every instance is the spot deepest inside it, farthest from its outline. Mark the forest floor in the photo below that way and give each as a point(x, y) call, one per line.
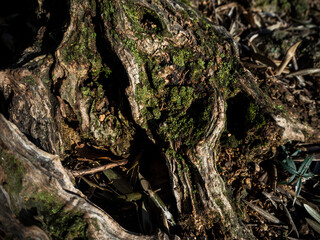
point(267, 34)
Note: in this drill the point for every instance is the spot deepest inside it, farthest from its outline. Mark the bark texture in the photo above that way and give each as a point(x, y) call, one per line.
point(123, 69)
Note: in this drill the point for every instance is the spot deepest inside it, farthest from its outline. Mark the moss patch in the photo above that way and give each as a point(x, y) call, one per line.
point(48, 213)
point(176, 90)
point(40, 207)
point(29, 80)
point(14, 171)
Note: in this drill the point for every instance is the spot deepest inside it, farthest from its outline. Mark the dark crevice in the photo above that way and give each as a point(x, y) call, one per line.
point(149, 76)
point(71, 119)
point(116, 83)
point(55, 18)
point(27, 217)
point(197, 111)
point(35, 141)
point(236, 115)
point(4, 104)
point(151, 23)
point(56, 25)
point(18, 28)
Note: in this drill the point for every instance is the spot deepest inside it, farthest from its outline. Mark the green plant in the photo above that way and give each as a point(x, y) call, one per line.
point(301, 174)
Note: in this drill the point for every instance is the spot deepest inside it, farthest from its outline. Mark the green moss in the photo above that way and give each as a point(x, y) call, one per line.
point(226, 76)
point(132, 46)
point(177, 123)
point(156, 113)
point(181, 56)
point(83, 47)
point(254, 117)
point(87, 92)
point(29, 80)
point(134, 15)
point(96, 68)
point(100, 91)
point(182, 166)
point(167, 105)
point(186, 2)
point(279, 107)
point(252, 112)
point(145, 95)
point(14, 171)
point(144, 20)
point(198, 68)
point(107, 9)
point(57, 222)
point(181, 97)
point(50, 216)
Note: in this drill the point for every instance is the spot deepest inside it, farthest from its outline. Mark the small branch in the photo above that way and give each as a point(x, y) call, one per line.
point(287, 58)
point(78, 173)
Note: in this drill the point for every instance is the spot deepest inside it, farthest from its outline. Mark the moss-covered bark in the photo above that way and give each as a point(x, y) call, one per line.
point(181, 70)
point(128, 70)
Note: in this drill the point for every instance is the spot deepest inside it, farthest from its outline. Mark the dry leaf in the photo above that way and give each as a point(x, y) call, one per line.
point(287, 58)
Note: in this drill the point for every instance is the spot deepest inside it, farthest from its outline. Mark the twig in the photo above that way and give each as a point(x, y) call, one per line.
point(92, 184)
point(298, 77)
point(263, 213)
point(78, 173)
point(214, 11)
point(308, 71)
point(291, 222)
point(287, 58)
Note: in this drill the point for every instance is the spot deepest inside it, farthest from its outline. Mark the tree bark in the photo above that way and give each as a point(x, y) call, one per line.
point(125, 71)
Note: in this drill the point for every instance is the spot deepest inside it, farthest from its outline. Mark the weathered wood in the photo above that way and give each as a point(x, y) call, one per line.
point(157, 69)
point(37, 190)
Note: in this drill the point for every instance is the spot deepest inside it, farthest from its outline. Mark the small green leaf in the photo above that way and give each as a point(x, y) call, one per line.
point(119, 182)
point(295, 153)
point(291, 178)
point(298, 189)
point(308, 175)
point(291, 163)
point(306, 164)
point(289, 169)
point(130, 197)
point(312, 212)
point(284, 149)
